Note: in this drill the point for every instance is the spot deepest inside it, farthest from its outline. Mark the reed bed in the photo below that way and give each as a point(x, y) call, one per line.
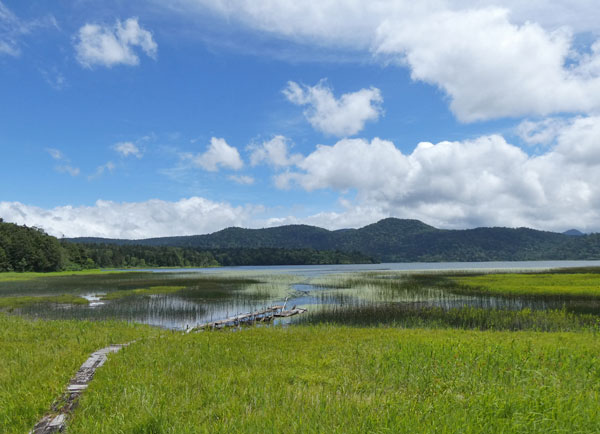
point(406, 316)
point(567, 285)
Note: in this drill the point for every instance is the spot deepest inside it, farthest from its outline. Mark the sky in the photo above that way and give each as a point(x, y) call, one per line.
point(135, 119)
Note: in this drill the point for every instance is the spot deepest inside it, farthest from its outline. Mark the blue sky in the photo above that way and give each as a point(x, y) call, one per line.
point(153, 118)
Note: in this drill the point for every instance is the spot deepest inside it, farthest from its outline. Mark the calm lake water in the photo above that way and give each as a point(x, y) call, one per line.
point(301, 285)
point(318, 270)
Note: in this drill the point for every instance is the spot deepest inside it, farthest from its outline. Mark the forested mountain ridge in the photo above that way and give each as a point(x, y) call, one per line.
point(395, 239)
point(25, 248)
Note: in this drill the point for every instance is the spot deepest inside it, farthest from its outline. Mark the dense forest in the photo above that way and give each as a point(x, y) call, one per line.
point(25, 248)
point(396, 240)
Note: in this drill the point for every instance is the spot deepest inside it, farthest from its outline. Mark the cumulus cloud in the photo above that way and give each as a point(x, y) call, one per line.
point(481, 182)
point(489, 62)
point(219, 154)
point(543, 132)
point(579, 141)
point(152, 218)
point(274, 152)
point(113, 45)
point(486, 181)
point(128, 148)
point(490, 67)
point(345, 116)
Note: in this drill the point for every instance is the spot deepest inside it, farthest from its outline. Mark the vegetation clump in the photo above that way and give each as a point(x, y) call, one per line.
point(581, 285)
point(15, 302)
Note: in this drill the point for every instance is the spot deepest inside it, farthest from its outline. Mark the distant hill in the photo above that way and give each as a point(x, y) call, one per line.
point(573, 233)
point(394, 240)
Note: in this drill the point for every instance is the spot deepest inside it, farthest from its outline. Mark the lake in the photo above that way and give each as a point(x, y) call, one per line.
point(216, 293)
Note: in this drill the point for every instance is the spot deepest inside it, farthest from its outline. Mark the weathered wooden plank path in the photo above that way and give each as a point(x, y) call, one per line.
point(55, 420)
point(261, 316)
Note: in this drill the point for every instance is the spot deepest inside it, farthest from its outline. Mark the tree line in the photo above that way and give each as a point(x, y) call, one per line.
point(25, 248)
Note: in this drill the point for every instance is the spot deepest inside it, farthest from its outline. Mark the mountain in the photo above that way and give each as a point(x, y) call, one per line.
point(394, 240)
point(573, 233)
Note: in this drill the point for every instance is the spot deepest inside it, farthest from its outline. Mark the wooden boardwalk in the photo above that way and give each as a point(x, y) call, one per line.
point(55, 420)
point(250, 318)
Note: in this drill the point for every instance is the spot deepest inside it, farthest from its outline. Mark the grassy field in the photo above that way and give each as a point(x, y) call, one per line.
point(383, 362)
point(37, 358)
point(340, 379)
point(539, 284)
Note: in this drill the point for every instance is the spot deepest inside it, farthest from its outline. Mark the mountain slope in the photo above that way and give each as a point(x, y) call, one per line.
point(394, 239)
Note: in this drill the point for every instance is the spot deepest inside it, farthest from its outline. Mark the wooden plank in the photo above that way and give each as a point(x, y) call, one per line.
point(264, 315)
point(55, 420)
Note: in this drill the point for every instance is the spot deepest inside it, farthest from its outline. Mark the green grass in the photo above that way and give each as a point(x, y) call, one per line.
point(142, 291)
point(37, 359)
point(540, 284)
point(60, 283)
point(339, 379)
point(16, 302)
point(401, 315)
point(11, 276)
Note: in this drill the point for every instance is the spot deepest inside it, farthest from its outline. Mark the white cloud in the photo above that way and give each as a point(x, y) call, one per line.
point(128, 148)
point(219, 154)
point(108, 167)
point(54, 78)
point(12, 29)
point(489, 62)
point(542, 132)
point(152, 218)
point(66, 167)
point(579, 141)
point(73, 171)
point(345, 116)
point(242, 179)
point(109, 46)
point(55, 153)
point(490, 67)
point(481, 182)
point(274, 152)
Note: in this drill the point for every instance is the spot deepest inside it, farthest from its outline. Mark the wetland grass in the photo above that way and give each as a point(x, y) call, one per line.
point(567, 285)
point(342, 379)
point(37, 358)
point(378, 360)
point(406, 316)
point(141, 291)
point(18, 302)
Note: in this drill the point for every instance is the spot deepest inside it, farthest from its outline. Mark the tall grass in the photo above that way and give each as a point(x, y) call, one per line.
point(348, 380)
point(406, 316)
point(37, 358)
point(567, 285)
